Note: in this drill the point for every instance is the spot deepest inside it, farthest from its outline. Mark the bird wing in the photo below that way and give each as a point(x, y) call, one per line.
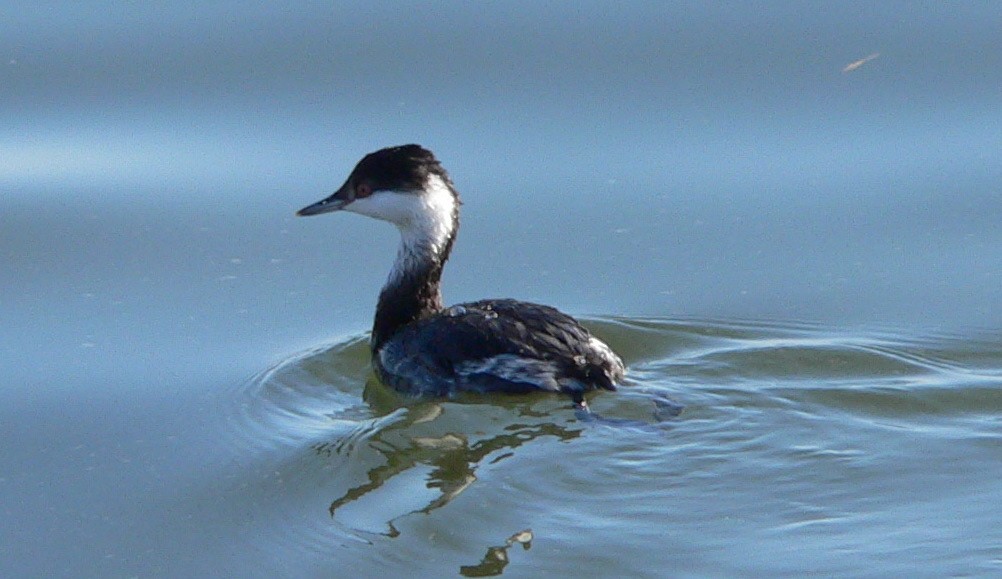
point(503, 345)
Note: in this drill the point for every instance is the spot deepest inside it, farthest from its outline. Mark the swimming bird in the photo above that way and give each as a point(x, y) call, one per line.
point(421, 348)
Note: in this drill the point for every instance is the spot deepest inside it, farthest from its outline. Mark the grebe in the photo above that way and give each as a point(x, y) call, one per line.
point(420, 347)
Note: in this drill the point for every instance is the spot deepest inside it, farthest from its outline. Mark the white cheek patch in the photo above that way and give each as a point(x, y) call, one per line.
point(393, 206)
point(420, 215)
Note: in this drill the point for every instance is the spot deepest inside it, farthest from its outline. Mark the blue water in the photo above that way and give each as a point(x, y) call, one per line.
point(802, 251)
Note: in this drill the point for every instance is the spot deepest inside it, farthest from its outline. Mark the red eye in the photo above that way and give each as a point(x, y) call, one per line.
point(363, 190)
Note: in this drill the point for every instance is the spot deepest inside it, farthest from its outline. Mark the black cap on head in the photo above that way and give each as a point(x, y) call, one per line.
point(403, 168)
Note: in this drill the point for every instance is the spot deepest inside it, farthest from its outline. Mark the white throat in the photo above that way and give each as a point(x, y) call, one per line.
point(425, 220)
point(431, 225)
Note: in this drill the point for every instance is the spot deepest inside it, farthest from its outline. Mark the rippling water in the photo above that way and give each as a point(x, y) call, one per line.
point(799, 448)
point(786, 218)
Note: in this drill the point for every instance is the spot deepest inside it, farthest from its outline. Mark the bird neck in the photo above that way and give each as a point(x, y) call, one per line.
point(413, 290)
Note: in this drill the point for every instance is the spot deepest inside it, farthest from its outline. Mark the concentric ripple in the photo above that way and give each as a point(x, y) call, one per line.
point(333, 459)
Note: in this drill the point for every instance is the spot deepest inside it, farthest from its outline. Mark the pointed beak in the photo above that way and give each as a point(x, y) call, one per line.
point(335, 202)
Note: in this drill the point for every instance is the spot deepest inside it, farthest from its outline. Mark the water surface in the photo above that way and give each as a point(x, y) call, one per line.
point(805, 258)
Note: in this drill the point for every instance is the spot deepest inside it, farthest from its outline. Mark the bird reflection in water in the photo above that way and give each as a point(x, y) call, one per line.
point(452, 458)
